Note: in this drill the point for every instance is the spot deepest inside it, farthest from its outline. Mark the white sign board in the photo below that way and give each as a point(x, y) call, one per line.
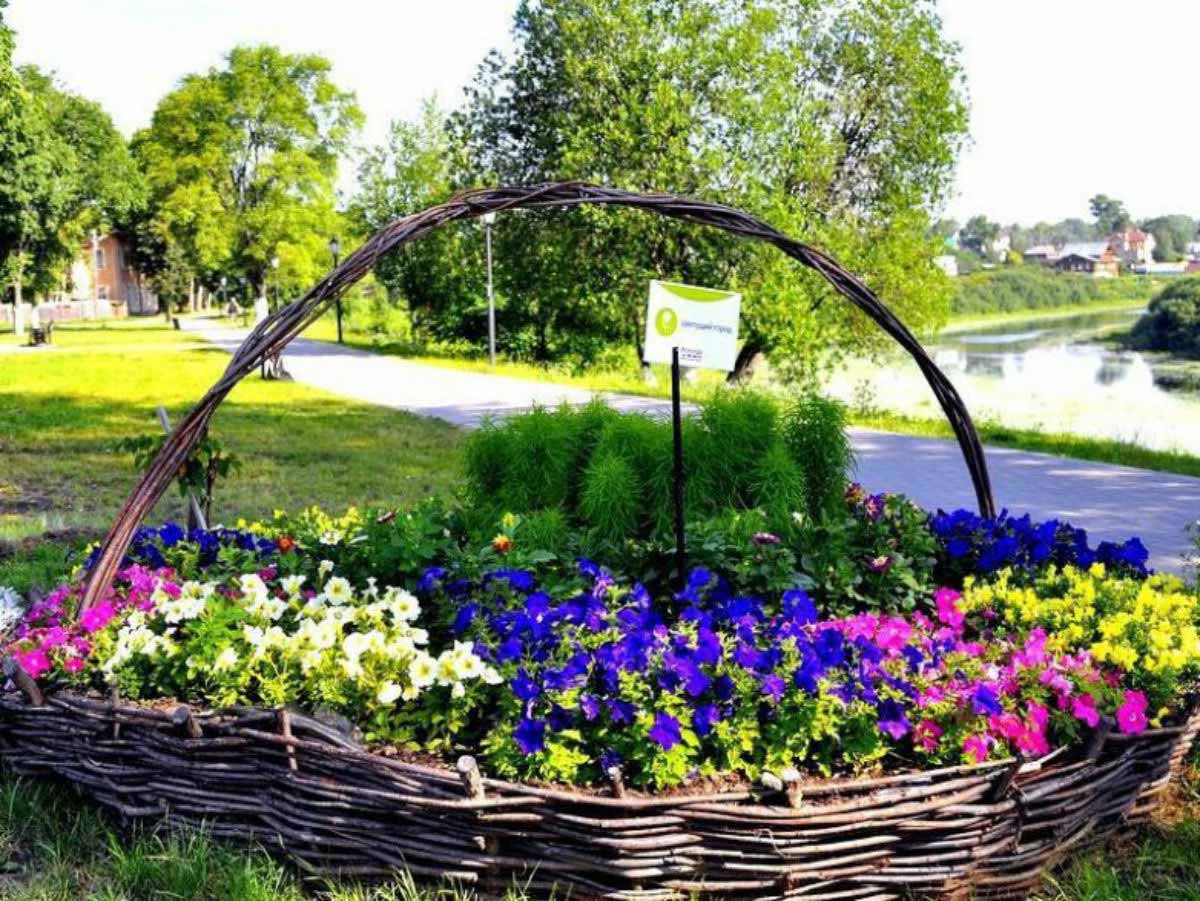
point(701, 322)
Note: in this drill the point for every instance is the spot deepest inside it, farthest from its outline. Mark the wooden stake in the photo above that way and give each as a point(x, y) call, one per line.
point(472, 779)
point(285, 729)
point(25, 682)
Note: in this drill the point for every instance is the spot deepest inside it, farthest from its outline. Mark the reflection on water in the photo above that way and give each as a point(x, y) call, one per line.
point(1041, 374)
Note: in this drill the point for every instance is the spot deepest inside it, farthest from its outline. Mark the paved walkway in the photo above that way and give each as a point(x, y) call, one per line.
point(1111, 502)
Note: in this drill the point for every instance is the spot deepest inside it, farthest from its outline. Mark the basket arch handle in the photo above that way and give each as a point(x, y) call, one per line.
point(271, 335)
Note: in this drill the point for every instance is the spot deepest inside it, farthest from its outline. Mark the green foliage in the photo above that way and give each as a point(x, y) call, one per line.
point(1033, 288)
point(64, 169)
point(198, 475)
point(611, 475)
point(1110, 214)
point(242, 165)
point(1172, 322)
point(814, 430)
point(846, 144)
point(1172, 235)
point(878, 554)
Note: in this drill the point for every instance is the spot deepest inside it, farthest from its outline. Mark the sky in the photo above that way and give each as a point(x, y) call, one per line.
point(1069, 98)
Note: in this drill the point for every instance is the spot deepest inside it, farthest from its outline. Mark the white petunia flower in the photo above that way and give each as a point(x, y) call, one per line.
point(422, 672)
point(292, 585)
point(226, 660)
point(253, 587)
point(324, 568)
point(389, 693)
point(12, 608)
point(405, 607)
point(338, 591)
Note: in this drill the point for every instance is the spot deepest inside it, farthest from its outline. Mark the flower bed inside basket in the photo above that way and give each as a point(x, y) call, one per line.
point(312, 789)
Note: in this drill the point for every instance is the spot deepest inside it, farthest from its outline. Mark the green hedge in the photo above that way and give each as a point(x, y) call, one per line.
point(1033, 288)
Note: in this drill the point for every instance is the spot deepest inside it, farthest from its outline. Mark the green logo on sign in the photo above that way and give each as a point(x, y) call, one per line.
point(666, 322)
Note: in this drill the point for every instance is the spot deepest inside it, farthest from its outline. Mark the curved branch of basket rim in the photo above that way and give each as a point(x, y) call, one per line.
point(270, 336)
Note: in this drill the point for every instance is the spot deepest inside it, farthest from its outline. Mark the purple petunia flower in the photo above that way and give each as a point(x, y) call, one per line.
point(665, 731)
point(530, 736)
point(892, 719)
point(985, 701)
point(589, 705)
point(773, 687)
point(705, 717)
point(523, 687)
point(621, 711)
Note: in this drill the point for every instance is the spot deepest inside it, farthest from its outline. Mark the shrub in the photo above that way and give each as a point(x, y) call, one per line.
point(1033, 288)
point(814, 430)
point(1172, 322)
point(612, 475)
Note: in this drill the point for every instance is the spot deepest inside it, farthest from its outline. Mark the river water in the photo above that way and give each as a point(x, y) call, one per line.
point(1048, 374)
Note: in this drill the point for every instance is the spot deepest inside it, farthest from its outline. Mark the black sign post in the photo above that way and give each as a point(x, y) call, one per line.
point(677, 423)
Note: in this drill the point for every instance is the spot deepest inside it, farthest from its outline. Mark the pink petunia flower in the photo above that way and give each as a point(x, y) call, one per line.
point(97, 617)
point(73, 664)
point(36, 663)
point(1131, 715)
point(893, 633)
point(1084, 708)
point(926, 735)
point(946, 601)
point(975, 748)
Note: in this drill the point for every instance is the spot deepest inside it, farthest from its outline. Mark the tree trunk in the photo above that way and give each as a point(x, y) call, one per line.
point(19, 300)
point(192, 295)
point(743, 366)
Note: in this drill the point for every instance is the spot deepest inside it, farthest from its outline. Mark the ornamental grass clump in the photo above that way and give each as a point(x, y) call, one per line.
point(612, 476)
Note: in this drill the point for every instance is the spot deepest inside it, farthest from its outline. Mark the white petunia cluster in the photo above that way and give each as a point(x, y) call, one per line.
point(326, 643)
point(12, 608)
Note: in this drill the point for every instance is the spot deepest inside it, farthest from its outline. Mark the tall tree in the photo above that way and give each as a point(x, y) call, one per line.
point(242, 163)
point(979, 233)
point(1110, 214)
point(1172, 235)
point(841, 125)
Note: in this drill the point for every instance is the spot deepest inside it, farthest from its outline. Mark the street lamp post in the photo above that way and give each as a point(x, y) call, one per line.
point(335, 248)
point(224, 306)
point(488, 220)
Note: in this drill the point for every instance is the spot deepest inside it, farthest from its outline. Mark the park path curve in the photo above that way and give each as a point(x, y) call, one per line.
point(1111, 502)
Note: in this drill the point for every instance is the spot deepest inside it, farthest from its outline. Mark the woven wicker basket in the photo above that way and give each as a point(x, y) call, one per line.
point(301, 788)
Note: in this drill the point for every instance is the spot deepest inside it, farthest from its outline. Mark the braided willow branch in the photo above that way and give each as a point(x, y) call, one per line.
point(271, 335)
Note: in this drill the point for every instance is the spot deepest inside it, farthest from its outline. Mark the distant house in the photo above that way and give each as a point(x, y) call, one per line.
point(948, 263)
point(1193, 251)
point(1045, 254)
point(1094, 258)
point(116, 279)
point(1133, 246)
point(999, 246)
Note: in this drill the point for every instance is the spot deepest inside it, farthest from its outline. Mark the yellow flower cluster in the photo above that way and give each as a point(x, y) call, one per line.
point(1148, 625)
point(313, 521)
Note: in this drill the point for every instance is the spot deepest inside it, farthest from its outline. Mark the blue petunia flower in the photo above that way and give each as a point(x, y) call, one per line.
point(666, 731)
point(530, 736)
point(985, 701)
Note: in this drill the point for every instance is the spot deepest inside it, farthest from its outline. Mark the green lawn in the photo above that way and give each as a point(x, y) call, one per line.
point(63, 409)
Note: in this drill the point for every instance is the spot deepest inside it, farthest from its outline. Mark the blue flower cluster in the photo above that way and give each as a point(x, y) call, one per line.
point(607, 665)
point(974, 544)
point(150, 544)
